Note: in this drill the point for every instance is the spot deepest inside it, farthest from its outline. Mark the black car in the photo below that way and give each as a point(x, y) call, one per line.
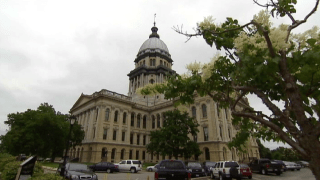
point(104, 166)
point(206, 166)
point(79, 171)
point(284, 167)
point(196, 169)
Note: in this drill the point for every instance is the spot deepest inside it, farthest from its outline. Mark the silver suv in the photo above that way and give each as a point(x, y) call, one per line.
point(226, 170)
point(129, 165)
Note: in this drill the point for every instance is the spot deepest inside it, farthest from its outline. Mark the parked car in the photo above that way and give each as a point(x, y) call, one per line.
point(129, 165)
point(21, 157)
point(292, 166)
point(206, 166)
point(245, 171)
point(152, 168)
point(284, 167)
point(298, 166)
point(226, 170)
point(195, 169)
point(78, 171)
point(172, 169)
point(265, 166)
point(104, 166)
point(303, 163)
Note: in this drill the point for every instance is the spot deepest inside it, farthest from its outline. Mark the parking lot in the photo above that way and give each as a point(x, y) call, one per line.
point(304, 174)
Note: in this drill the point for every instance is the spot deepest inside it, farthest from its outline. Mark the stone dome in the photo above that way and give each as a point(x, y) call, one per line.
point(154, 44)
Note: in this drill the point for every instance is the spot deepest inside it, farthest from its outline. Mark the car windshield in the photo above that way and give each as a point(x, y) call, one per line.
point(194, 165)
point(231, 164)
point(77, 167)
point(244, 166)
point(210, 163)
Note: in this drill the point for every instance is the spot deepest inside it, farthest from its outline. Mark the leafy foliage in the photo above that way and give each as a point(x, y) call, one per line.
point(41, 132)
point(10, 170)
point(272, 64)
point(172, 139)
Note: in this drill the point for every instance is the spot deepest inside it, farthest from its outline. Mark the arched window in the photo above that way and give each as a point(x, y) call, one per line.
point(194, 112)
point(124, 120)
point(107, 114)
point(153, 122)
point(220, 128)
point(144, 122)
point(218, 110)
point(205, 134)
point(207, 154)
point(132, 119)
point(204, 110)
point(138, 120)
point(158, 120)
point(224, 153)
point(113, 153)
point(151, 81)
point(116, 116)
point(104, 153)
point(229, 133)
point(161, 63)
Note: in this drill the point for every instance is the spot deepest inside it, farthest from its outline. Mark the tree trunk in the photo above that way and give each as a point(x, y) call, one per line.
point(315, 164)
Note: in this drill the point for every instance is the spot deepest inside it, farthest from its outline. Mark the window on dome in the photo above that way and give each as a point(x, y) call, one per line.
point(161, 63)
point(152, 62)
point(151, 81)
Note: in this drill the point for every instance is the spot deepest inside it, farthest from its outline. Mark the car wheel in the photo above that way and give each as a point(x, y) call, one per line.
point(211, 175)
point(263, 171)
point(149, 170)
point(108, 170)
point(250, 177)
point(133, 170)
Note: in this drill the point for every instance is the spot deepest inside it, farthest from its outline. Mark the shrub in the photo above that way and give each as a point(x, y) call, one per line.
point(10, 170)
point(5, 159)
point(49, 176)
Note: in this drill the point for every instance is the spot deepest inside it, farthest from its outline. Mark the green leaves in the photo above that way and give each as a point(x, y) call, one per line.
point(30, 131)
point(172, 138)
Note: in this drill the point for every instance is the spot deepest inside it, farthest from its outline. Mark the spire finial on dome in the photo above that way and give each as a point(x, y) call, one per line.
point(154, 29)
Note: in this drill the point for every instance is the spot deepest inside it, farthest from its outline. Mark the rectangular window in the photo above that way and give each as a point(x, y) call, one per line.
point(94, 133)
point(123, 136)
point(138, 139)
point(137, 154)
point(115, 135)
point(105, 134)
point(195, 138)
point(205, 133)
point(143, 155)
point(131, 138)
point(144, 139)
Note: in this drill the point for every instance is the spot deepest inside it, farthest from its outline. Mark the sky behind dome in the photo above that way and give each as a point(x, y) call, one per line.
point(52, 51)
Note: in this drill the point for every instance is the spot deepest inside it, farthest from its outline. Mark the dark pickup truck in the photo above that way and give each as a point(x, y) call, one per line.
point(265, 166)
point(172, 170)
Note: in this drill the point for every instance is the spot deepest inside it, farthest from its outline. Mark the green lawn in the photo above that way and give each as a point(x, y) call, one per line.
point(56, 165)
point(145, 165)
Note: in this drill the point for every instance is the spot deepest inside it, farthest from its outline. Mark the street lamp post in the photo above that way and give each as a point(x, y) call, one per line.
point(72, 120)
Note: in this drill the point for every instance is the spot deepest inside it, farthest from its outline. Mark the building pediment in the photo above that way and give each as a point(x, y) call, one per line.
point(81, 100)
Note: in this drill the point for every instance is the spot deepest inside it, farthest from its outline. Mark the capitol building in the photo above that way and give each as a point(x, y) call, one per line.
point(117, 126)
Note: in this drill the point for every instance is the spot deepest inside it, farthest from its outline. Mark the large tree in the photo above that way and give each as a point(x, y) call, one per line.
point(41, 132)
point(279, 68)
point(173, 138)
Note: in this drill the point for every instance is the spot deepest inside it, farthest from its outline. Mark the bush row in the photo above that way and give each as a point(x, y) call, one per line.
point(9, 169)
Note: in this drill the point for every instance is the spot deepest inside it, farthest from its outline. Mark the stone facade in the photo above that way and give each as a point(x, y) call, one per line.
point(118, 126)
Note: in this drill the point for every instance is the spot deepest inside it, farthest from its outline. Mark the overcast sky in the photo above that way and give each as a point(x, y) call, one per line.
point(52, 51)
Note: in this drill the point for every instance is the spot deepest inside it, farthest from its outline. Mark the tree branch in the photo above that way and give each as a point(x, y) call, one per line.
point(274, 127)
